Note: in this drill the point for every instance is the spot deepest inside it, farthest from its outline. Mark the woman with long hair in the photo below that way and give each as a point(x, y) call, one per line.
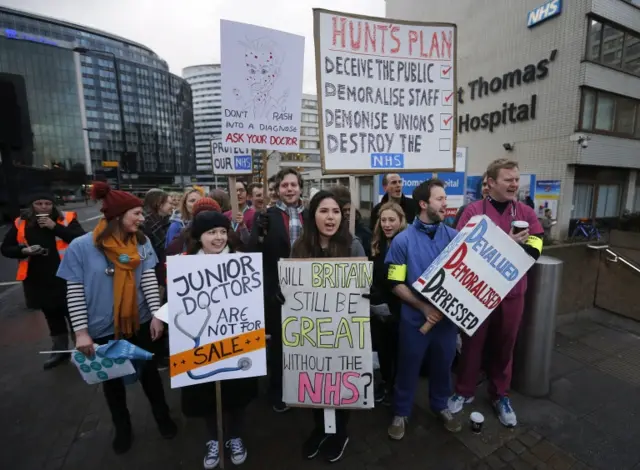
point(157, 209)
point(38, 240)
point(113, 292)
point(384, 329)
point(210, 234)
point(179, 244)
point(326, 235)
point(181, 218)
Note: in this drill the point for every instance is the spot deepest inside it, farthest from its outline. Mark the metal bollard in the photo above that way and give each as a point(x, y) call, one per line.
point(534, 347)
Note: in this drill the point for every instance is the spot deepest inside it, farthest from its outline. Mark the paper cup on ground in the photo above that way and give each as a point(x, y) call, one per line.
point(519, 225)
point(477, 420)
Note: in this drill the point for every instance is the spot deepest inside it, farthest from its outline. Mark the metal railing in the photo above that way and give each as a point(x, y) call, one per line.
point(614, 257)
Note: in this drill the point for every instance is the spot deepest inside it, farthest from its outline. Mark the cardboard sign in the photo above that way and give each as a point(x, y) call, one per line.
point(387, 94)
point(326, 333)
point(474, 273)
point(261, 86)
point(101, 369)
point(229, 160)
point(216, 318)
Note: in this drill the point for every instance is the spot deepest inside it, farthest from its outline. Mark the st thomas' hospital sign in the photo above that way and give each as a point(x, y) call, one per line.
point(510, 113)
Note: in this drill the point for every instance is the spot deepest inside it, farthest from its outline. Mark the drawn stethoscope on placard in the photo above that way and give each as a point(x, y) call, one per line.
point(244, 363)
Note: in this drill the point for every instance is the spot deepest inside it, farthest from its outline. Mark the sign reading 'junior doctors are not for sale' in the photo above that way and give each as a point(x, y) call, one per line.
point(386, 92)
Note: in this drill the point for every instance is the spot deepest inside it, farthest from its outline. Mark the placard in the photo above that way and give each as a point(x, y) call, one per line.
point(386, 94)
point(229, 160)
point(216, 318)
point(261, 84)
point(474, 273)
point(326, 333)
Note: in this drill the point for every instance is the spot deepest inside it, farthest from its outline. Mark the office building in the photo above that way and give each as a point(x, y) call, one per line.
point(158, 144)
point(556, 87)
point(205, 88)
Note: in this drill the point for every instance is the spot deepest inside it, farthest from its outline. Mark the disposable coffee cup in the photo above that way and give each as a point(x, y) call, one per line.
point(477, 420)
point(519, 226)
point(42, 215)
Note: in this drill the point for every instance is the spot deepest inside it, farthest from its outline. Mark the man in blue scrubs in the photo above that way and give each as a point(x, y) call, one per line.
point(410, 254)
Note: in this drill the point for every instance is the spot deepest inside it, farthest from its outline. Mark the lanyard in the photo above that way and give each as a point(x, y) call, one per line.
point(513, 209)
point(244, 363)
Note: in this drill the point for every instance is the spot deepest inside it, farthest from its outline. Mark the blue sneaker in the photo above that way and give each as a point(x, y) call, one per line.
point(457, 402)
point(505, 412)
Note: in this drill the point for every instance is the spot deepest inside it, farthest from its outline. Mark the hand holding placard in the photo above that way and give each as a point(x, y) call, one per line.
point(433, 316)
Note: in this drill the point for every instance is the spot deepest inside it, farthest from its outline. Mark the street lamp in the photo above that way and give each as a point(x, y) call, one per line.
point(123, 135)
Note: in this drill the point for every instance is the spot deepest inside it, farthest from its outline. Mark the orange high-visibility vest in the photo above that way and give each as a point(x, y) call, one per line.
point(23, 265)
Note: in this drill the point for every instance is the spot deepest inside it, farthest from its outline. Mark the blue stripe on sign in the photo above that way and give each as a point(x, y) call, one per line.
point(387, 160)
point(243, 162)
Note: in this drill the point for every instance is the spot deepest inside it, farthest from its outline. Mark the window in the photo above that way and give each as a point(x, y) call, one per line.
point(582, 201)
point(588, 109)
point(610, 114)
point(608, 201)
point(613, 46)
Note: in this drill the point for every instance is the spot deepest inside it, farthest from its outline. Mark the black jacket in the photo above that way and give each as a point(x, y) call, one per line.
point(42, 269)
point(409, 206)
point(273, 246)
point(381, 287)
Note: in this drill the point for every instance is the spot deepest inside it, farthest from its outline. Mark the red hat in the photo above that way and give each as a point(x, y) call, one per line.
point(205, 204)
point(114, 202)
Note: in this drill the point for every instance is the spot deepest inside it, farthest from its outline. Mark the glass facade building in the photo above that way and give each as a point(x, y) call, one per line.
point(53, 138)
point(158, 148)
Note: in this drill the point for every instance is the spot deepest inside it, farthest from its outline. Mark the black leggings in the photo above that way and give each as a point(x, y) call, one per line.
point(57, 317)
point(232, 421)
point(116, 394)
point(385, 341)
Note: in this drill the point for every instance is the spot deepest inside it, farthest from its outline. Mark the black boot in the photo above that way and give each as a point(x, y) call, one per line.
point(123, 438)
point(60, 343)
point(167, 427)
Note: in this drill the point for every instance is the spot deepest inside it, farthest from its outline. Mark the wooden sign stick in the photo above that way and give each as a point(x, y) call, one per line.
point(219, 418)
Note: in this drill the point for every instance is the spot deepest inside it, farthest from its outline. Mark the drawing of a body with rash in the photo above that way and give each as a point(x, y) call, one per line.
point(263, 60)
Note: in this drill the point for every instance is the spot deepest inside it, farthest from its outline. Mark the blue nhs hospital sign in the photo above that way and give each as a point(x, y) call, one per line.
point(544, 12)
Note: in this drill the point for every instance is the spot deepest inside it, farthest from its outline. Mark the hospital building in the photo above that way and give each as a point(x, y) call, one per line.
point(554, 86)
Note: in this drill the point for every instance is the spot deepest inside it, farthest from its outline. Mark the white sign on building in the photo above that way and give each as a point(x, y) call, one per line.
point(387, 94)
point(262, 72)
point(474, 273)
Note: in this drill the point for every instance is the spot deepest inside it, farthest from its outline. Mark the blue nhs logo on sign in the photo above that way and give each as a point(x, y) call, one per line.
point(242, 162)
point(544, 12)
point(387, 160)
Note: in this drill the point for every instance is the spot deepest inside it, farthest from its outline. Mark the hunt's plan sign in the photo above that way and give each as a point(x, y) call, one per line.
point(326, 334)
point(216, 318)
point(387, 93)
point(229, 160)
point(261, 86)
point(474, 273)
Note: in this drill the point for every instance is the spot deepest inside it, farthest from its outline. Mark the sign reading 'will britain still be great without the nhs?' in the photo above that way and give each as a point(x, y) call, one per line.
point(326, 335)
point(474, 273)
point(386, 93)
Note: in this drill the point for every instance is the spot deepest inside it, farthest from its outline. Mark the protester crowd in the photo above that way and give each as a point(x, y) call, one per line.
point(108, 283)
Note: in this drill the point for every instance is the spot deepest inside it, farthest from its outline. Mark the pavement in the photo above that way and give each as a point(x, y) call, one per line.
point(590, 419)
point(88, 217)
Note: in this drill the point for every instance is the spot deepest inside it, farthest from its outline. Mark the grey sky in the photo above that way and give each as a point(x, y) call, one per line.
point(187, 32)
